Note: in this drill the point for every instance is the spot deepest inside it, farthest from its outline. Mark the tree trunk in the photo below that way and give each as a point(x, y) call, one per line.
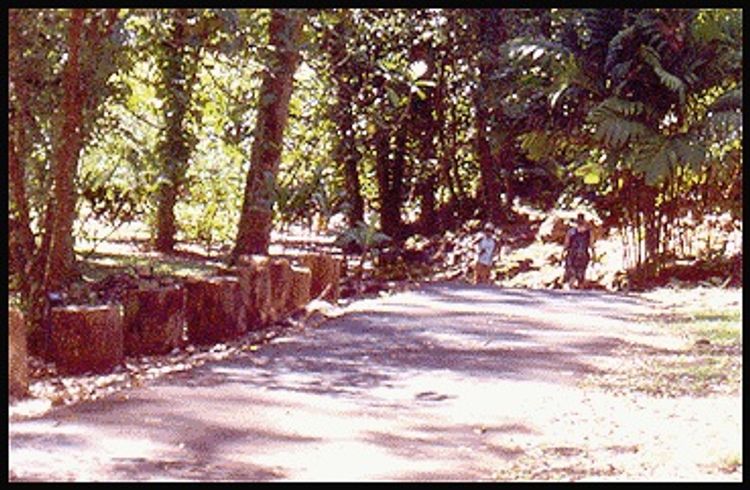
point(491, 35)
point(395, 196)
point(174, 150)
point(345, 154)
point(60, 267)
point(426, 128)
point(253, 235)
point(506, 160)
point(490, 183)
point(356, 213)
point(389, 170)
point(21, 238)
point(348, 155)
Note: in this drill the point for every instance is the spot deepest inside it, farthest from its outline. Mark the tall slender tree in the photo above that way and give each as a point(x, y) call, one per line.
point(490, 29)
point(254, 231)
point(179, 66)
point(347, 80)
point(64, 58)
point(85, 32)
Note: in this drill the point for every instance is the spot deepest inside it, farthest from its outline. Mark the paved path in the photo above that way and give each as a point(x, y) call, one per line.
point(446, 382)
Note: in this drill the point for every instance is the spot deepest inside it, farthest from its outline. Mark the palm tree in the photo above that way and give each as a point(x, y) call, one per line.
point(650, 94)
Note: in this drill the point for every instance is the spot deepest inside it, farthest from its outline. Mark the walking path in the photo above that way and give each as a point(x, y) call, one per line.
point(447, 382)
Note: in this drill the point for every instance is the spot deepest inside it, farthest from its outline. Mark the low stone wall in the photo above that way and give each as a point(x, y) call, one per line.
point(281, 277)
point(254, 274)
point(18, 372)
point(214, 310)
point(299, 290)
point(87, 338)
point(154, 320)
point(326, 275)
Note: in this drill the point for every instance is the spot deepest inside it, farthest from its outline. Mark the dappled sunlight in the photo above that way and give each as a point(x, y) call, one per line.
point(428, 384)
point(375, 244)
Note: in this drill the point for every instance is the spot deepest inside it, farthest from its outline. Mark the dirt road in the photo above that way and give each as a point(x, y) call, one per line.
point(447, 382)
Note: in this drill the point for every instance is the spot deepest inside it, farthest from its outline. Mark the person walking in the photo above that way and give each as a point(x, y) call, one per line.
point(486, 246)
point(577, 246)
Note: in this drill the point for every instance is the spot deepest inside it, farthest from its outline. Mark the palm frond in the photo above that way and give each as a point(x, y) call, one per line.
point(657, 156)
point(603, 26)
point(615, 124)
point(669, 80)
point(618, 45)
point(534, 49)
point(617, 106)
point(537, 144)
point(723, 120)
point(729, 101)
point(651, 159)
point(688, 151)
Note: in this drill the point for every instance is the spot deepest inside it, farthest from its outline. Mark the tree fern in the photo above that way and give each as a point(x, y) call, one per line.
point(616, 132)
point(690, 152)
point(657, 156)
point(650, 158)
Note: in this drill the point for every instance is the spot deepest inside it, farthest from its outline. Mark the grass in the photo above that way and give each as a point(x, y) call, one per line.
point(710, 362)
point(718, 327)
point(713, 361)
point(100, 264)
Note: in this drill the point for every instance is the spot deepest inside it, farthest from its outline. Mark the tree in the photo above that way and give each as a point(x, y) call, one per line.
point(423, 124)
point(178, 76)
point(60, 268)
point(254, 229)
point(491, 33)
point(648, 100)
point(78, 85)
point(191, 34)
point(345, 67)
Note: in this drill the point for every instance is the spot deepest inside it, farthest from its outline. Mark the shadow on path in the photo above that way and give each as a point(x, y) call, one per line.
point(214, 422)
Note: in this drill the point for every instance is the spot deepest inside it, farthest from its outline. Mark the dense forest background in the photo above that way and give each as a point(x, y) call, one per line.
point(219, 126)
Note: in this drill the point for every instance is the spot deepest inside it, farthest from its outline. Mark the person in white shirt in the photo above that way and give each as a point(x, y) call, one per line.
point(485, 251)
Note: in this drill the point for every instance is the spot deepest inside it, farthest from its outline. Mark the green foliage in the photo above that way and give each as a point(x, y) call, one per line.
point(365, 235)
point(639, 108)
point(614, 123)
point(209, 212)
point(661, 94)
point(729, 101)
point(671, 81)
point(537, 144)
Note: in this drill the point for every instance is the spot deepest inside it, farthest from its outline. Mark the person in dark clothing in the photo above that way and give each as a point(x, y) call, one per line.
point(577, 246)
